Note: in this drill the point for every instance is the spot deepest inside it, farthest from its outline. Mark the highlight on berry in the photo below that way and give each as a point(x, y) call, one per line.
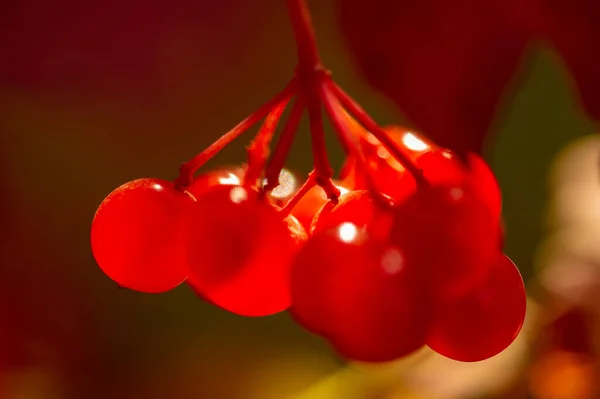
point(401, 249)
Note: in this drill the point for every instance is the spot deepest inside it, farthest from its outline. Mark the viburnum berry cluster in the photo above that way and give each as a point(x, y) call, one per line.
point(403, 250)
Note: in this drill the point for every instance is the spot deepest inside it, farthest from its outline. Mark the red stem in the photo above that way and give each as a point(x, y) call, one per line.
point(364, 119)
point(323, 169)
point(258, 150)
point(187, 170)
point(308, 55)
point(284, 144)
point(311, 73)
point(310, 182)
point(344, 133)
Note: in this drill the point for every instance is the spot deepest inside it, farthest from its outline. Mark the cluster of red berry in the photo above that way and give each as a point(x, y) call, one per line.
point(379, 273)
point(405, 250)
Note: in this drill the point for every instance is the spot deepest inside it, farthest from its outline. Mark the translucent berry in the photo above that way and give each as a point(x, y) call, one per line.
point(240, 251)
point(314, 276)
point(358, 208)
point(137, 235)
point(484, 181)
point(311, 202)
point(233, 176)
point(484, 322)
point(449, 232)
point(359, 293)
point(389, 175)
point(440, 167)
point(443, 167)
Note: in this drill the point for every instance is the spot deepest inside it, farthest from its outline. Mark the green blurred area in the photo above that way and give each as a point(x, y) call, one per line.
point(65, 152)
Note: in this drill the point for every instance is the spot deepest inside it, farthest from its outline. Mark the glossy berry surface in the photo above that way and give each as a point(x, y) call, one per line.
point(449, 234)
point(137, 235)
point(314, 274)
point(231, 176)
point(358, 208)
point(240, 251)
point(359, 294)
point(484, 322)
point(442, 167)
point(389, 176)
point(439, 166)
point(483, 180)
point(310, 204)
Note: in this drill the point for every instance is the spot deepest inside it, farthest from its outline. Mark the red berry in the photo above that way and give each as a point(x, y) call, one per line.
point(137, 235)
point(359, 208)
point(483, 180)
point(440, 167)
point(382, 313)
point(311, 202)
point(314, 275)
point(414, 144)
point(359, 294)
point(484, 322)
point(389, 176)
point(449, 232)
point(223, 176)
point(444, 167)
point(240, 251)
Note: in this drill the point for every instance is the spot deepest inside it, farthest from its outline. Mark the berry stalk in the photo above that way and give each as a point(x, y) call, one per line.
point(187, 170)
point(284, 144)
point(339, 120)
point(306, 43)
point(364, 119)
point(258, 150)
point(323, 169)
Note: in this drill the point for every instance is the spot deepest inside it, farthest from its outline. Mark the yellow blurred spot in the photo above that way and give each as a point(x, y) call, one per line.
point(563, 375)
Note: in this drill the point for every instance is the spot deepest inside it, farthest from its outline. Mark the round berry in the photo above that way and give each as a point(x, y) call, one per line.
point(359, 293)
point(484, 181)
point(358, 208)
point(484, 322)
point(440, 167)
point(137, 235)
point(224, 176)
point(443, 167)
point(449, 233)
point(311, 202)
point(315, 274)
point(240, 251)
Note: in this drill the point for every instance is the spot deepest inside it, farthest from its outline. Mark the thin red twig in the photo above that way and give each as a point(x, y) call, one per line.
point(308, 55)
point(258, 150)
point(187, 170)
point(323, 170)
point(284, 144)
point(368, 123)
point(344, 133)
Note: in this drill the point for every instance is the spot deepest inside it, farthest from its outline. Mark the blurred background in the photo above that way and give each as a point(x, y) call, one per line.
point(94, 94)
